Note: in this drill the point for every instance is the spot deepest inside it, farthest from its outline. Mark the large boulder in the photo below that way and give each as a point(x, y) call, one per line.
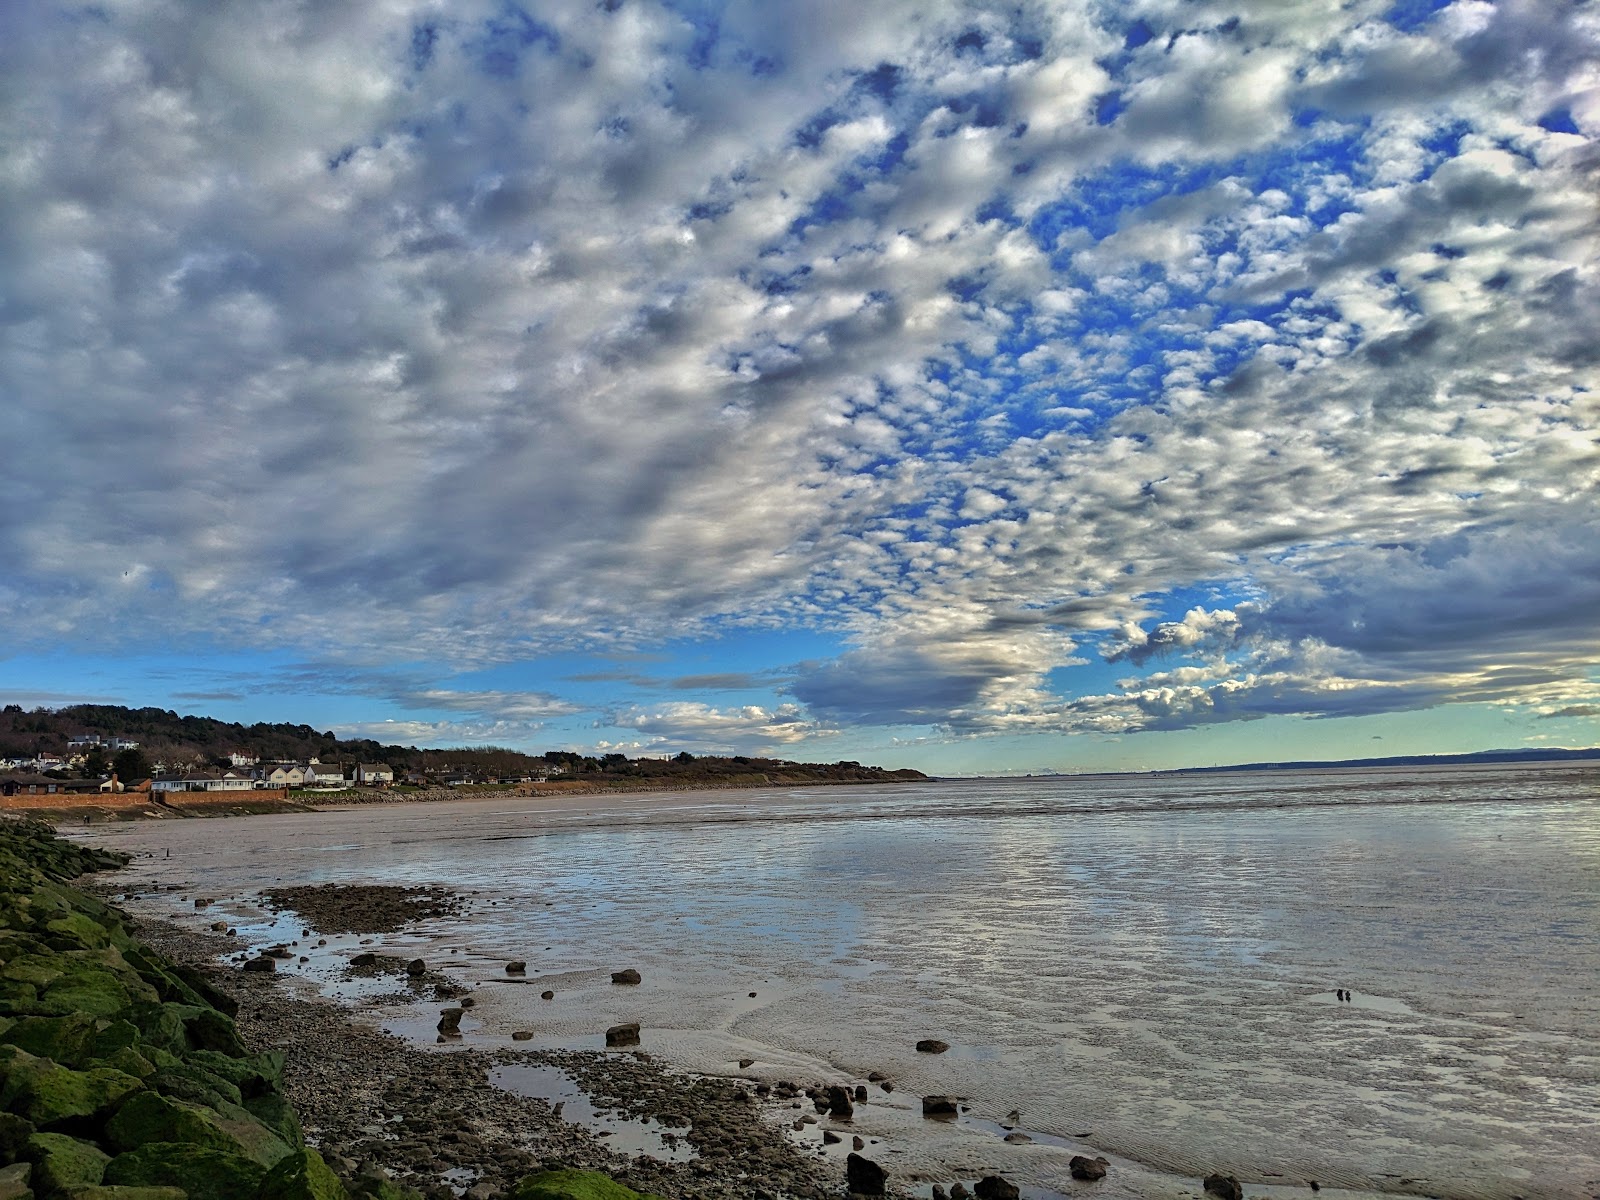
point(69, 1040)
point(839, 1104)
point(202, 1172)
point(943, 1107)
point(149, 1117)
point(932, 1046)
point(623, 1035)
point(1087, 1169)
point(14, 1182)
point(61, 1163)
point(628, 976)
point(993, 1187)
point(44, 1093)
point(302, 1176)
point(1225, 1187)
point(864, 1177)
point(573, 1185)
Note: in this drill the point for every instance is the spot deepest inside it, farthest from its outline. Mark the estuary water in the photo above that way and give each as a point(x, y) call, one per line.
point(1147, 968)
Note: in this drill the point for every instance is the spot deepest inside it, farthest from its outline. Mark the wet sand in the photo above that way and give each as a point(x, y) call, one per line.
point(1154, 988)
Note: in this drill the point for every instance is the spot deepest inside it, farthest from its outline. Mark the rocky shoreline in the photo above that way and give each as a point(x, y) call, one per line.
point(370, 1100)
point(134, 1067)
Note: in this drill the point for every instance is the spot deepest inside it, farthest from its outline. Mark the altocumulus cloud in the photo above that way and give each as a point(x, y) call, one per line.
point(988, 337)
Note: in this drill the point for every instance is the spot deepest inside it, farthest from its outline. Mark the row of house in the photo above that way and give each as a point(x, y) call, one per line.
point(277, 775)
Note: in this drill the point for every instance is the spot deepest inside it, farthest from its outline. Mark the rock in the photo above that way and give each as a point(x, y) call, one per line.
point(830, 1138)
point(958, 1191)
point(61, 1163)
point(547, 995)
point(746, 1062)
point(861, 1093)
point(522, 1035)
point(932, 1046)
point(450, 1021)
point(302, 1176)
point(839, 1103)
point(14, 1182)
point(219, 927)
point(203, 1173)
point(628, 976)
point(876, 1077)
point(1083, 1167)
point(260, 964)
point(623, 1035)
point(416, 967)
point(1018, 1139)
point(571, 1185)
point(1224, 1186)
point(468, 1002)
point(865, 1177)
point(887, 1086)
point(516, 968)
point(279, 951)
point(939, 1106)
point(148, 1118)
point(40, 1091)
point(937, 1192)
point(365, 959)
point(992, 1187)
point(858, 1142)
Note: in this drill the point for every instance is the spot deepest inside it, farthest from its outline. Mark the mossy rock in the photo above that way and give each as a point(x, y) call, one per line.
point(123, 1192)
point(68, 1041)
point(94, 983)
point(371, 1187)
point(149, 1117)
point(73, 930)
point(302, 1176)
point(192, 1086)
point(14, 1135)
point(39, 970)
point(159, 1027)
point(574, 1185)
point(47, 1094)
point(111, 1036)
point(273, 1111)
point(203, 1173)
point(253, 1075)
point(61, 1163)
point(210, 1030)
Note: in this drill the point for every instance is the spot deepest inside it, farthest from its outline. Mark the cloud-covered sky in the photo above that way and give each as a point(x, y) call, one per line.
point(958, 385)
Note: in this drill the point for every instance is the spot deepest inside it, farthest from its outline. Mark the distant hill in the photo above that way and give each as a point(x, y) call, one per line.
point(192, 741)
point(1406, 760)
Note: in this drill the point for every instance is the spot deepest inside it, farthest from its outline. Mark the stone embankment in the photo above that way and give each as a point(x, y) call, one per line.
point(123, 1074)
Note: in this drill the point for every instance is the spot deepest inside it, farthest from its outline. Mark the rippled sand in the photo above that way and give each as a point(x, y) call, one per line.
point(1143, 968)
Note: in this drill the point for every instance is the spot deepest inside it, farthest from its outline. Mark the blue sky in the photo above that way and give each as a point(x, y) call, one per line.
point(972, 387)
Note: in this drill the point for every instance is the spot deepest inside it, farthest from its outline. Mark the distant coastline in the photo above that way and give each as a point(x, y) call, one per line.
point(1474, 758)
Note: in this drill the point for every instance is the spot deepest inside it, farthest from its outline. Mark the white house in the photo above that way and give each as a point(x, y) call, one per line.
point(373, 774)
point(322, 775)
point(203, 783)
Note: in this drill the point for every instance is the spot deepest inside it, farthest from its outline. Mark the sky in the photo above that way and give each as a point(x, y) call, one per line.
point(974, 387)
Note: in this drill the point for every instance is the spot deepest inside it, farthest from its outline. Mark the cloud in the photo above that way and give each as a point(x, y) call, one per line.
point(976, 336)
point(695, 726)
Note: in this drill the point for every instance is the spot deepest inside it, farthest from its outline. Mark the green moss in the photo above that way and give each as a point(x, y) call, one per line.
point(46, 1094)
point(61, 1163)
point(273, 1111)
point(253, 1075)
point(203, 1173)
point(149, 1117)
point(121, 1192)
point(573, 1185)
point(302, 1176)
point(68, 1040)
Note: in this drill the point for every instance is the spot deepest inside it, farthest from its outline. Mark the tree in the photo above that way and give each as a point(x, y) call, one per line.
point(94, 763)
point(130, 766)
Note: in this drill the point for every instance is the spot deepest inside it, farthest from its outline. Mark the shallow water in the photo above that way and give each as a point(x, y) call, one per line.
point(1142, 967)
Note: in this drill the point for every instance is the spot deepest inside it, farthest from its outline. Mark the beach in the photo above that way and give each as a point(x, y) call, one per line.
point(1146, 969)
